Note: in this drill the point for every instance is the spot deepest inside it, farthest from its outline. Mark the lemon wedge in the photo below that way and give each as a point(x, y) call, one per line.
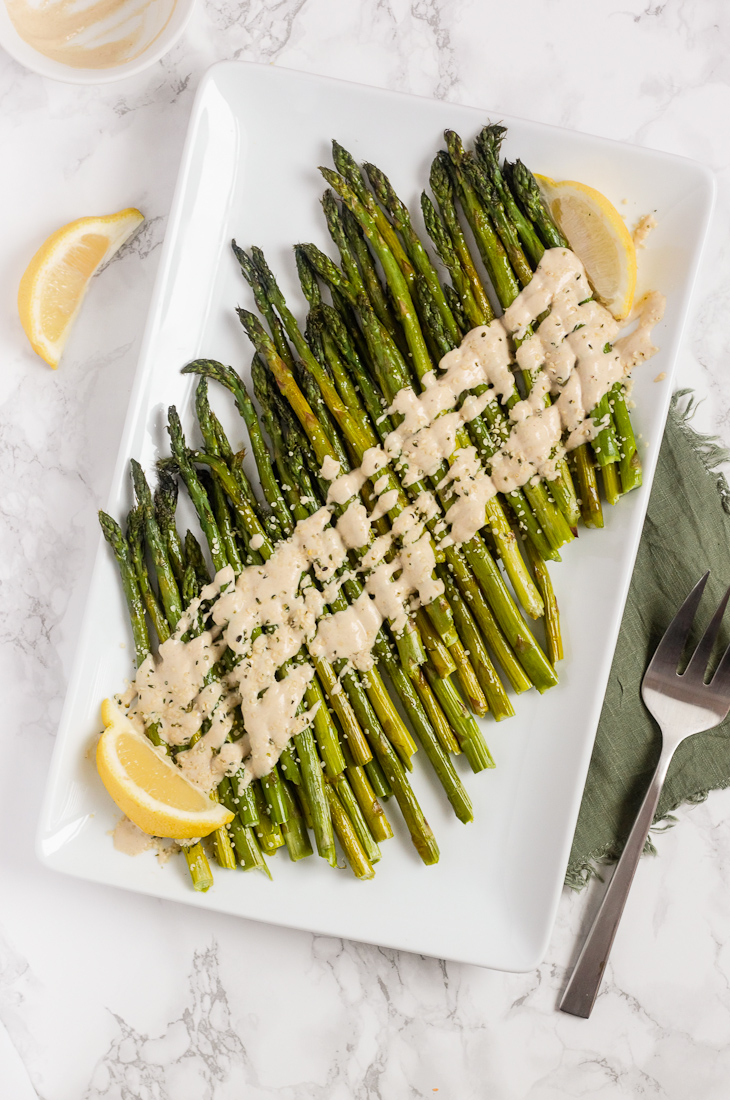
point(597, 234)
point(147, 786)
point(57, 278)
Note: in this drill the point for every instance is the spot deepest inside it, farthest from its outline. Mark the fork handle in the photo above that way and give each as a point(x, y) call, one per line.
point(582, 989)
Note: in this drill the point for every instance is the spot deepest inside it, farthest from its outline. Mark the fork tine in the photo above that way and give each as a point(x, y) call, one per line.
point(720, 682)
point(697, 667)
point(669, 650)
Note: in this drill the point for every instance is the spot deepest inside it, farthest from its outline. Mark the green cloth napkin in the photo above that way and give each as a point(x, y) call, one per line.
point(687, 531)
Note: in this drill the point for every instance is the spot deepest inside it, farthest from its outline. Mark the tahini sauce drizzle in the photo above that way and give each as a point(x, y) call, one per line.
point(90, 34)
point(264, 617)
point(267, 614)
point(573, 356)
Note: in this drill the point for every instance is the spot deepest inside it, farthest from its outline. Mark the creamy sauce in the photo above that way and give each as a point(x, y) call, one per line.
point(129, 838)
point(643, 228)
point(473, 489)
point(90, 34)
point(349, 485)
point(330, 468)
point(265, 616)
point(573, 357)
point(350, 635)
point(353, 526)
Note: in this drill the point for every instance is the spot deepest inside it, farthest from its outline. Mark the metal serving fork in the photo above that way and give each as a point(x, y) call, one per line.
point(681, 704)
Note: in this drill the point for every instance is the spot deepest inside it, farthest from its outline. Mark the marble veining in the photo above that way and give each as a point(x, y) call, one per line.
point(196, 1050)
point(110, 996)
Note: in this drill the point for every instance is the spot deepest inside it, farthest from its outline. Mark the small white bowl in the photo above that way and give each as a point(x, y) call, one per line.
point(11, 41)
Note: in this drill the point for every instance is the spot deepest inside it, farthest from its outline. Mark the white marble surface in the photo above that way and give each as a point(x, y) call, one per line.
point(109, 995)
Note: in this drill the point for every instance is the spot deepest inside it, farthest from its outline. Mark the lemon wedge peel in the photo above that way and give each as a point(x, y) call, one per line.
point(599, 237)
point(148, 787)
point(55, 282)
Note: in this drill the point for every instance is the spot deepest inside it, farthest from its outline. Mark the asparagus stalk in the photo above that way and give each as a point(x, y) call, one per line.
point(590, 501)
point(497, 699)
point(169, 592)
point(438, 654)
point(378, 779)
point(347, 835)
point(444, 244)
point(630, 463)
point(606, 449)
point(552, 615)
point(130, 584)
point(358, 268)
point(488, 145)
point(222, 846)
point(135, 530)
point(194, 556)
point(373, 287)
point(493, 205)
point(294, 829)
point(443, 187)
point(417, 254)
point(243, 836)
point(350, 172)
point(356, 817)
point(307, 277)
point(468, 734)
point(528, 192)
point(374, 814)
point(165, 499)
point(268, 833)
point(200, 872)
point(201, 875)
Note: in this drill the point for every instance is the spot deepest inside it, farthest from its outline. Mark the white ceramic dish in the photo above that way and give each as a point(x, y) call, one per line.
point(255, 139)
point(37, 62)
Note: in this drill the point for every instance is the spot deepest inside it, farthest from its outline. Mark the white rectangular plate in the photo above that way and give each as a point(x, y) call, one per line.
point(249, 170)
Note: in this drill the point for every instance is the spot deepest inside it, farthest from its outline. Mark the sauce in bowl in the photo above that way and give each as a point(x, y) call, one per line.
point(90, 34)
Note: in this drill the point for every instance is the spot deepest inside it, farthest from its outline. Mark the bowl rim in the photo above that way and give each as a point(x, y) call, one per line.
point(36, 62)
